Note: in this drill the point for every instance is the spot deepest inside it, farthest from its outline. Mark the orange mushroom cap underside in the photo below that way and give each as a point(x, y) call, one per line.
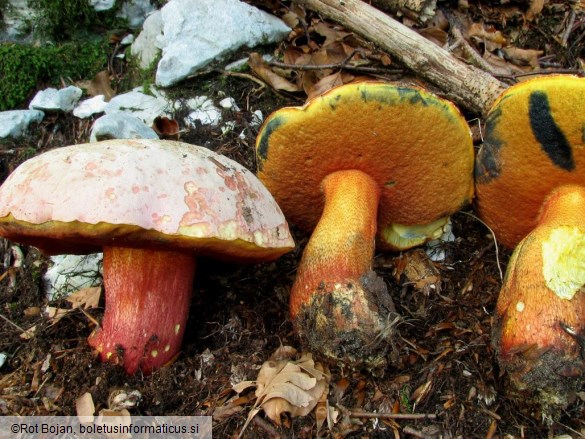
point(416, 146)
point(534, 142)
point(141, 193)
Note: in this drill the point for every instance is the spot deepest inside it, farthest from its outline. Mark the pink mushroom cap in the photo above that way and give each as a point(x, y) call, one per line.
point(151, 206)
point(143, 194)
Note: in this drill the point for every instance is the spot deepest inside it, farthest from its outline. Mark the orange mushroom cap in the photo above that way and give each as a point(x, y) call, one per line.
point(352, 163)
point(416, 146)
point(534, 142)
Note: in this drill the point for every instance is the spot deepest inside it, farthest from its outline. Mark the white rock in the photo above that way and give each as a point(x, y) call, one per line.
point(145, 46)
point(144, 107)
point(135, 11)
point(237, 65)
point(89, 107)
point(70, 273)
point(102, 5)
point(228, 127)
point(229, 104)
point(195, 32)
point(52, 99)
point(435, 248)
point(16, 17)
point(128, 39)
point(242, 63)
point(120, 126)
point(204, 111)
point(14, 123)
point(257, 118)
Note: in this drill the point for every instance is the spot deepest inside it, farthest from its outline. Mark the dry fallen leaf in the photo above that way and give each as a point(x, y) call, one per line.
point(260, 68)
point(166, 128)
point(523, 57)
point(85, 408)
point(534, 9)
point(85, 298)
point(331, 34)
point(419, 270)
point(100, 85)
point(324, 84)
point(284, 385)
point(492, 38)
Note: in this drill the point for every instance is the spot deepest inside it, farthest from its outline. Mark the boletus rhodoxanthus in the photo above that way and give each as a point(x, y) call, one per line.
point(530, 177)
point(364, 159)
point(152, 206)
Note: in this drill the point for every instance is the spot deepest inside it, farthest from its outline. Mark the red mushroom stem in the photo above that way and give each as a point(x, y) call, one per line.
point(336, 299)
point(148, 294)
point(541, 308)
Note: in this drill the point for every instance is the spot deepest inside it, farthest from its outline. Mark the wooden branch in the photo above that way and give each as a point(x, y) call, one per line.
point(363, 414)
point(419, 10)
point(466, 85)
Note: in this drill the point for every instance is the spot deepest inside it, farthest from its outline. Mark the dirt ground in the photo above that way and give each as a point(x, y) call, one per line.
point(445, 366)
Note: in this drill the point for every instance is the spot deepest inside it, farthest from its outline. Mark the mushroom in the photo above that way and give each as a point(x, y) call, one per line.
point(530, 188)
point(359, 161)
point(152, 206)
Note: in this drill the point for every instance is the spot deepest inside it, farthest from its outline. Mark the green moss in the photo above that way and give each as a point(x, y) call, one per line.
point(25, 67)
point(63, 20)
point(137, 76)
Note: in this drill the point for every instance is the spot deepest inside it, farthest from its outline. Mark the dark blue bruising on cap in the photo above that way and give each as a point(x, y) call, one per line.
point(550, 136)
point(487, 163)
point(382, 95)
point(333, 102)
point(262, 150)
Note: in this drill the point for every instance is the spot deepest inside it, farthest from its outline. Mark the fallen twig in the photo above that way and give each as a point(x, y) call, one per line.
point(7, 320)
point(569, 28)
point(382, 415)
point(416, 433)
point(334, 66)
point(466, 85)
point(261, 83)
point(493, 237)
point(469, 51)
point(268, 429)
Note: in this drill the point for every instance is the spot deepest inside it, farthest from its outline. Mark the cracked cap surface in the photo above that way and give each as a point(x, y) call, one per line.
point(141, 193)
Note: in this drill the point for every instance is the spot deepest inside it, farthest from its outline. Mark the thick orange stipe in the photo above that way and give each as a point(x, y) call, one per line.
point(341, 247)
point(147, 302)
point(541, 307)
point(337, 300)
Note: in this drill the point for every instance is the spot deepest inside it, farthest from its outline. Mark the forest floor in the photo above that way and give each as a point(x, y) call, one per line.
point(445, 367)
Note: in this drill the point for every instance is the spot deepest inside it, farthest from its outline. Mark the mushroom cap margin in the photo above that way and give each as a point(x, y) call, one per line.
point(141, 193)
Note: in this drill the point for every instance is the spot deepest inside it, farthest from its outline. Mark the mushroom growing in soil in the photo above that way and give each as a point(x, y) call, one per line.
point(152, 206)
point(359, 161)
point(530, 187)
